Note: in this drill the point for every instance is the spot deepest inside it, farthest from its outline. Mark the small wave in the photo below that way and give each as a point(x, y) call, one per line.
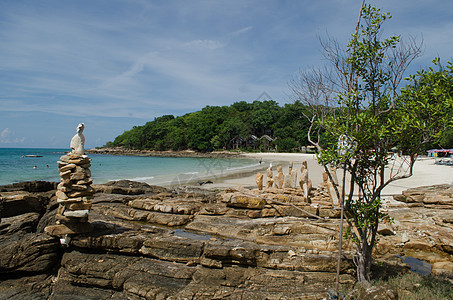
point(190, 173)
point(105, 179)
point(243, 167)
point(142, 178)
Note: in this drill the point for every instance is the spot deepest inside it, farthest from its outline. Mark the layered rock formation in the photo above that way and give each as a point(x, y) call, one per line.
point(155, 243)
point(429, 197)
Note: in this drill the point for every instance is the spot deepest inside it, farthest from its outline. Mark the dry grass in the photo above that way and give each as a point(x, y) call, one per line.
point(408, 286)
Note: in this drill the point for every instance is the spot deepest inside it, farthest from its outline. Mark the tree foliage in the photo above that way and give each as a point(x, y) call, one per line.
point(427, 110)
point(214, 127)
point(358, 114)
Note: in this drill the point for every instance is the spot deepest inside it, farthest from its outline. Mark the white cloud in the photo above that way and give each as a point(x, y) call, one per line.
point(6, 138)
point(204, 45)
point(4, 134)
point(145, 58)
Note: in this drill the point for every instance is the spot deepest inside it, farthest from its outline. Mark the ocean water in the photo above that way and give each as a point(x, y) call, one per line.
point(27, 164)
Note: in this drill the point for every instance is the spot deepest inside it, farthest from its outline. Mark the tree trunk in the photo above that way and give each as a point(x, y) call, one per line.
point(364, 263)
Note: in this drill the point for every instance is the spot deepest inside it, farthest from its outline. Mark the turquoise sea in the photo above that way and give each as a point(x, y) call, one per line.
point(28, 164)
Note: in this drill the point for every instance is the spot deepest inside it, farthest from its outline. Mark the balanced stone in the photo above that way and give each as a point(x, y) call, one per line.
point(79, 160)
point(69, 228)
point(75, 190)
point(79, 206)
point(78, 176)
point(79, 187)
point(86, 181)
point(70, 200)
point(61, 219)
point(61, 195)
point(67, 167)
point(65, 173)
point(78, 141)
point(61, 164)
point(76, 213)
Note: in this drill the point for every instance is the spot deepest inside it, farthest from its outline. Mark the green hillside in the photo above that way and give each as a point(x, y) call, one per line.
point(260, 125)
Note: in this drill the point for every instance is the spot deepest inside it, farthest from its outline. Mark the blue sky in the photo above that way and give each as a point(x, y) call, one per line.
point(115, 64)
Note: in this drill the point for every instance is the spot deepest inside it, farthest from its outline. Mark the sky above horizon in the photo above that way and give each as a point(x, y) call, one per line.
point(115, 64)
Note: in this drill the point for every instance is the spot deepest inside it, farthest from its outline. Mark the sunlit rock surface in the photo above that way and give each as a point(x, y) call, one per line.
point(151, 242)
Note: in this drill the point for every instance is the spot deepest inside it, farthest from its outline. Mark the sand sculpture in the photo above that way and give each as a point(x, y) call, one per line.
point(291, 178)
point(286, 181)
point(74, 192)
point(259, 181)
point(287, 185)
point(279, 178)
point(328, 187)
point(270, 177)
point(325, 178)
point(332, 184)
point(303, 182)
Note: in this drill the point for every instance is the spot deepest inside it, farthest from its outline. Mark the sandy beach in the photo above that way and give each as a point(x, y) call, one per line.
point(426, 172)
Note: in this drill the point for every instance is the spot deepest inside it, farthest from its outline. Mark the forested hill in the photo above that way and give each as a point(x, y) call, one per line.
point(261, 125)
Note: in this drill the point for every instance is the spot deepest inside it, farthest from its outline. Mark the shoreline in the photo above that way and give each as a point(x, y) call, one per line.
point(168, 153)
point(426, 172)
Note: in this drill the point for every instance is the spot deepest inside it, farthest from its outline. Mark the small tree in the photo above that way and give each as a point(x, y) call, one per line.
point(358, 103)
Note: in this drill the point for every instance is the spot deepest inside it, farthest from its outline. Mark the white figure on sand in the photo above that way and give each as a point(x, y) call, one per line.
point(303, 182)
point(279, 178)
point(259, 181)
point(290, 179)
point(270, 176)
point(78, 141)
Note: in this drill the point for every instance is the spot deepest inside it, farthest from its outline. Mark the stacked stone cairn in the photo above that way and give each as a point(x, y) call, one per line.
point(74, 192)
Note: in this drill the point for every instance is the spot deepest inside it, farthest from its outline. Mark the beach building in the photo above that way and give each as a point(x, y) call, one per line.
point(267, 143)
point(252, 142)
point(237, 142)
point(440, 152)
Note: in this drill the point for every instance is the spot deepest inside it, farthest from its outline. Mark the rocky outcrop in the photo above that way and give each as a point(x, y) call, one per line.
point(30, 186)
point(23, 223)
point(436, 197)
point(21, 202)
point(126, 187)
point(170, 153)
point(28, 253)
point(148, 278)
point(155, 243)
